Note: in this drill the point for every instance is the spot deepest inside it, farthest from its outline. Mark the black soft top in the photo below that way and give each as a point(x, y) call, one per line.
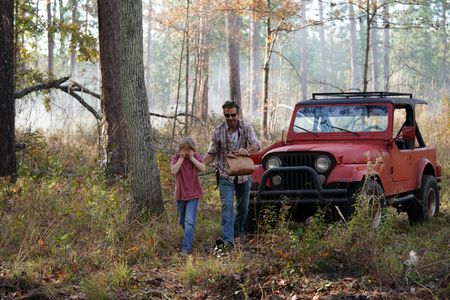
point(398, 99)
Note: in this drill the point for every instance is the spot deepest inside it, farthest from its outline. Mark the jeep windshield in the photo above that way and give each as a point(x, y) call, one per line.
point(341, 118)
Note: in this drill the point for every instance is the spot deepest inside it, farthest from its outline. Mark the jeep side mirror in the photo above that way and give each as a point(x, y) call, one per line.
point(408, 133)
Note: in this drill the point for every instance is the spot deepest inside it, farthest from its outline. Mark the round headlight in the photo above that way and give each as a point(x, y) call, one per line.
point(323, 164)
point(273, 162)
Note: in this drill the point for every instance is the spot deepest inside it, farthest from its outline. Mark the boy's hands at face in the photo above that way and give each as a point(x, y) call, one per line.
point(182, 153)
point(191, 153)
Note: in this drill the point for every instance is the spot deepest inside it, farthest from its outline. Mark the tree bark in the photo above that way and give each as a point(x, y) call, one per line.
point(73, 54)
point(232, 24)
point(266, 70)
point(8, 163)
point(148, 76)
point(367, 47)
point(143, 170)
point(323, 73)
point(50, 38)
point(386, 45)
point(374, 46)
point(115, 141)
point(355, 82)
point(255, 70)
point(303, 43)
point(202, 77)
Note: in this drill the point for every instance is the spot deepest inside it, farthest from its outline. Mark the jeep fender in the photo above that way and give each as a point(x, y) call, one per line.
point(348, 173)
point(424, 167)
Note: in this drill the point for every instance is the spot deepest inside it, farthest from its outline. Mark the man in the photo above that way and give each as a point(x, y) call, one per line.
point(232, 135)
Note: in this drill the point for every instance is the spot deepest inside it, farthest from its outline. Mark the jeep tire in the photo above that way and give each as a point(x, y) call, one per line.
point(426, 202)
point(374, 193)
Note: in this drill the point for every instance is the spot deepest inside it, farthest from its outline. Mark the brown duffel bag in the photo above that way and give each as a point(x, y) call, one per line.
point(237, 165)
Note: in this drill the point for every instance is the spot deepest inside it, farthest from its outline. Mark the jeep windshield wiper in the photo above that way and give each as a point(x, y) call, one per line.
point(346, 130)
point(304, 129)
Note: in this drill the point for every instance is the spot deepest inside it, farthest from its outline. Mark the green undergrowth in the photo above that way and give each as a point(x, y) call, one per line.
point(66, 227)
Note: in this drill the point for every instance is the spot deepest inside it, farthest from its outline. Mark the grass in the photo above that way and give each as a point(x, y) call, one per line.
point(62, 226)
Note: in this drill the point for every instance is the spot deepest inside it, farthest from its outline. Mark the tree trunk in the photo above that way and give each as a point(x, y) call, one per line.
point(303, 51)
point(355, 83)
point(115, 142)
point(8, 164)
point(186, 80)
point(202, 77)
point(148, 76)
point(446, 46)
point(323, 73)
point(266, 69)
point(143, 170)
point(73, 54)
point(50, 38)
point(386, 45)
point(255, 70)
point(374, 46)
point(367, 48)
point(232, 24)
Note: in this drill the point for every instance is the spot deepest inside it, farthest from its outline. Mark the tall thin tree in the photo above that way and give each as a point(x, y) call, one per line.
point(232, 23)
point(386, 45)
point(355, 81)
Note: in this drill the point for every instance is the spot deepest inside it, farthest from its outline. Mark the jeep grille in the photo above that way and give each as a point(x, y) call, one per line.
point(300, 180)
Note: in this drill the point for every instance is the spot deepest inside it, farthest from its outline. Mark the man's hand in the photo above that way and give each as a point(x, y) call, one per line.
point(243, 152)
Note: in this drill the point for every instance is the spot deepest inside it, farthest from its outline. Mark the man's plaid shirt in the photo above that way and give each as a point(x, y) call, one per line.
point(218, 146)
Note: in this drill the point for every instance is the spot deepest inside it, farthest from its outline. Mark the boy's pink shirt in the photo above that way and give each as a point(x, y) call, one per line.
point(187, 183)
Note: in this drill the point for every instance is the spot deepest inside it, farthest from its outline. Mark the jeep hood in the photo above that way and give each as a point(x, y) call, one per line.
point(344, 152)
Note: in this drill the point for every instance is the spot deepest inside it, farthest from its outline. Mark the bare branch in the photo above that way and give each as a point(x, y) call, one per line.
point(79, 88)
point(39, 87)
point(71, 92)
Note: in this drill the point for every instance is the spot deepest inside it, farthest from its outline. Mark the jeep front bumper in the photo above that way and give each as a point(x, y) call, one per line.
point(316, 194)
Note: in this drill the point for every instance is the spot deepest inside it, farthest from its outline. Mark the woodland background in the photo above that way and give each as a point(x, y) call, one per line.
point(75, 220)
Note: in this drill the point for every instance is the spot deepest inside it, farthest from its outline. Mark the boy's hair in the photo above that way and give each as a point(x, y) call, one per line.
point(187, 142)
point(231, 104)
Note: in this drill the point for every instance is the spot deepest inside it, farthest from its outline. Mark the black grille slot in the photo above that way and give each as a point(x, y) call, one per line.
point(298, 180)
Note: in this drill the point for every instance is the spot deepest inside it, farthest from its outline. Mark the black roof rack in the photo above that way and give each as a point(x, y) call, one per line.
point(316, 96)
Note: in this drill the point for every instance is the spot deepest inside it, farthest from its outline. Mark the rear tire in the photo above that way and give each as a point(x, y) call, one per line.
point(426, 202)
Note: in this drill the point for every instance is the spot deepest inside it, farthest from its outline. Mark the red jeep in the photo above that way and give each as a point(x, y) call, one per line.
point(338, 143)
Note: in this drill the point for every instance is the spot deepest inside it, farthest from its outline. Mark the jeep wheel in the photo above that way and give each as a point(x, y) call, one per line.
point(377, 203)
point(426, 203)
point(374, 195)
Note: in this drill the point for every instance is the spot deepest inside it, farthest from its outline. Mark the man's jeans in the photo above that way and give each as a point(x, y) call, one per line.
point(231, 226)
point(187, 213)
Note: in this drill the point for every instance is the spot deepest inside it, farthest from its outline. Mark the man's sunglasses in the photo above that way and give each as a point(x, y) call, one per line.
point(230, 115)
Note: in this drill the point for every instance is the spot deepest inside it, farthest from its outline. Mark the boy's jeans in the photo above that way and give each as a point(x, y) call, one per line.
point(187, 213)
point(231, 226)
